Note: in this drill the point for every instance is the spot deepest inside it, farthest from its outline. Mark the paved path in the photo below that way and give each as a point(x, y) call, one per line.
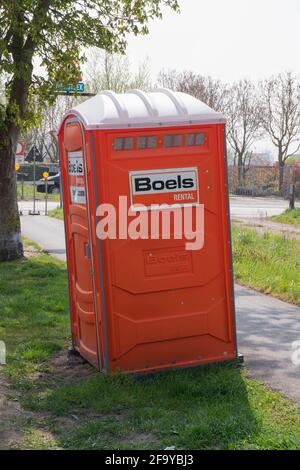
point(257, 206)
point(266, 326)
point(261, 225)
point(26, 206)
point(47, 232)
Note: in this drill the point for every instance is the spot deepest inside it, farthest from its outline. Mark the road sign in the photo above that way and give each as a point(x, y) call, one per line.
point(20, 149)
point(20, 153)
point(34, 154)
point(20, 160)
point(46, 175)
point(17, 166)
point(80, 87)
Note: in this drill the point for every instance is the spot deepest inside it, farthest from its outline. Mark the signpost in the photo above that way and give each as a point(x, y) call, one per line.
point(21, 176)
point(46, 176)
point(34, 212)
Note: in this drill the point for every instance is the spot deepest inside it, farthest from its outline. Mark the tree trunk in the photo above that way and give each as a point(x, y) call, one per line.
point(280, 167)
point(240, 170)
point(281, 175)
point(22, 51)
point(10, 231)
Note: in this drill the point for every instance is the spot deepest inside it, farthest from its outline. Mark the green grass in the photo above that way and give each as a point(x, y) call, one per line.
point(211, 408)
point(34, 311)
point(27, 190)
point(28, 193)
point(57, 213)
point(288, 217)
point(30, 244)
point(267, 262)
point(215, 407)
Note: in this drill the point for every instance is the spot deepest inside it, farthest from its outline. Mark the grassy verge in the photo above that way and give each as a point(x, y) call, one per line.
point(34, 304)
point(268, 263)
point(28, 193)
point(57, 213)
point(216, 407)
point(27, 190)
point(287, 217)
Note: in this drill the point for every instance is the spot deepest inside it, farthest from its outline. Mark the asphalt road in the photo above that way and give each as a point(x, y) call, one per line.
point(26, 206)
point(48, 232)
point(257, 207)
point(239, 206)
point(266, 326)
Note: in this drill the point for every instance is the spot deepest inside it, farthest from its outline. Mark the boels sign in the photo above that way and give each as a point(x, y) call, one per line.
point(167, 186)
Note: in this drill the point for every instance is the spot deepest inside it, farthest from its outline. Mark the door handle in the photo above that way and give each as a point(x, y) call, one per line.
point(88, 250)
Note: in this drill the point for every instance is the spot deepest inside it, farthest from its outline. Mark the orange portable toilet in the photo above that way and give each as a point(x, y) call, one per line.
point(149, 303)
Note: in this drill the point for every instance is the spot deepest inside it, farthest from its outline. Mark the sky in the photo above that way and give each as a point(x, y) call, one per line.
point(227, 39)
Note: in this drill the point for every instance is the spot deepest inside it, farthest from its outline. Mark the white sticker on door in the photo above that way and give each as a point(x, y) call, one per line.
point(76, 177)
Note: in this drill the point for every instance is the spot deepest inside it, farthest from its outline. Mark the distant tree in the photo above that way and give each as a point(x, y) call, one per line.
point(205, 88)
point(280, 98)
point(243, 112)
point(42, 132)
point(54, 31)
point(105, 71)
point(102, 71)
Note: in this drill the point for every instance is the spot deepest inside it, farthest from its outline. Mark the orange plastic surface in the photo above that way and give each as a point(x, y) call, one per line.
point(147, 305)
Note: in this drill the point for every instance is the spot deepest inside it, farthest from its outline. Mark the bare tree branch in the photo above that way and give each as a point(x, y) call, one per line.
point(280, 98)
point(243, 112)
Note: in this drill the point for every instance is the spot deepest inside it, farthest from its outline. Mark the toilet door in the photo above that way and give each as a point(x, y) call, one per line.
point(79, 252)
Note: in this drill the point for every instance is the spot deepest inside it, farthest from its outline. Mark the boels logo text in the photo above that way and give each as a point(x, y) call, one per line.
point(76, 167)
point(156, 187)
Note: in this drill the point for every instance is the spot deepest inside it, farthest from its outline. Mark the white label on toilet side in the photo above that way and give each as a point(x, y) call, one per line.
point(76, 177)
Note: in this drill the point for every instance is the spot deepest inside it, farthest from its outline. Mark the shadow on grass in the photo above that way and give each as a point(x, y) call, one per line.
point(205, 408)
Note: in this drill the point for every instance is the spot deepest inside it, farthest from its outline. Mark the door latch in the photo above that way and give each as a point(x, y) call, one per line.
point(88, 250)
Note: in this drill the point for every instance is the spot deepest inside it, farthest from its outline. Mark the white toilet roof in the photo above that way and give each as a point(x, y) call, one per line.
point(138, 109)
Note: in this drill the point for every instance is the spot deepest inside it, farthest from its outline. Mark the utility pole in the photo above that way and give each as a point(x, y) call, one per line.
point(34, 212)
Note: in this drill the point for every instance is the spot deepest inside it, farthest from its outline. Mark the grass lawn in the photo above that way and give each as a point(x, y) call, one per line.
point(287, 217)
point(58, 213)
point(267, 262)
point(215, 407)
point(27, 190)
point(28, 193)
